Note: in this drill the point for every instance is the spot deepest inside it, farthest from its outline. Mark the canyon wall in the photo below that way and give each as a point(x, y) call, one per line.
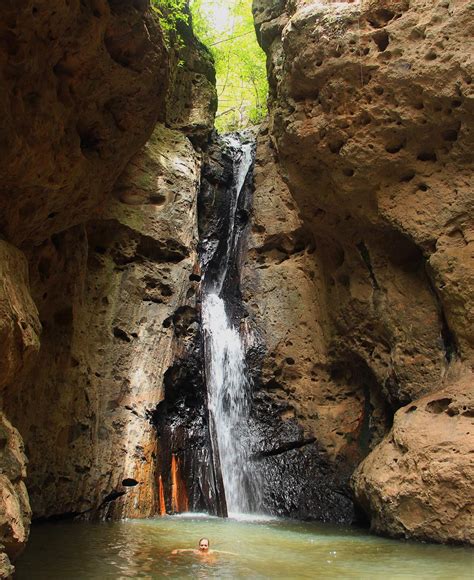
point(359, 272)
point(98, 246)
point(357, 280)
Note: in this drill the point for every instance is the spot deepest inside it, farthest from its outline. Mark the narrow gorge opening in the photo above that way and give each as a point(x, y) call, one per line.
point(235, 281)
point(227, 28)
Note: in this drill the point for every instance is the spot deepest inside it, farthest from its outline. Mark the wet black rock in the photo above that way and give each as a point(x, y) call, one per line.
point(305, 486)
point(181, 420)
point(223, 225)
point(298, 480)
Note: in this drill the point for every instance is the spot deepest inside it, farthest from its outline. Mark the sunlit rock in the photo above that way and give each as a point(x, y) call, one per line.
point(15, 513)
point(19, 324)
point(360, 258)
point(104, 291)
point(418, 482)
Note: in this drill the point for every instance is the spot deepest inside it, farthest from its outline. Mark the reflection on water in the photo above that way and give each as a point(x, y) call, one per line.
point(267, 548)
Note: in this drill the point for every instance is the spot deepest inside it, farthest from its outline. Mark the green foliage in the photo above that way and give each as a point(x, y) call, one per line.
point(170, 14)
point(226, 27)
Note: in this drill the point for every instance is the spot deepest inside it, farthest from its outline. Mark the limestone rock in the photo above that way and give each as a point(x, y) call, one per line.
point(317, 418)
point(360, 263)
point(107, 292)
point(418, 482)
point(15, 513)
point(375, 155)
point(6, 569)
point(285, 292)
point(19, 323)
point(83, 84)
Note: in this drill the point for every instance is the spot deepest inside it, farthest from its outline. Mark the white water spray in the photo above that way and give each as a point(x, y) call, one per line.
point(227, 383)
point(228, 392)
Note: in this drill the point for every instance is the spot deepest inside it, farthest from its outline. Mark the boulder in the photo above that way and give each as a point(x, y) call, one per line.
point(418, 482)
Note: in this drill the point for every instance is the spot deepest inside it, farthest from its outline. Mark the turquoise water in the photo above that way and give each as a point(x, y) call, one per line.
point(265, 548)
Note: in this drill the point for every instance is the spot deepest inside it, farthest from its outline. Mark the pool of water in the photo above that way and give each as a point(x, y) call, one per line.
point(264, 548)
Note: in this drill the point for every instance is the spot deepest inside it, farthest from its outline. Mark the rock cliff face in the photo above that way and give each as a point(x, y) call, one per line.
point(357, 278)
point(19, 343)
point(104, 290)
point(107, 231)
point(15, 510)
point(362, 239)
point(83, 85)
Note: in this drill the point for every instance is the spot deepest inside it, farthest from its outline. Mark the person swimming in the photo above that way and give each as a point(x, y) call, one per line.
point(203, 549)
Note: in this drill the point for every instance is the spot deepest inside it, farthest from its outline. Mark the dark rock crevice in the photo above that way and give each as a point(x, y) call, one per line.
point(288, 446)
point(448, 337)
point(127, 246)
point(364, 253)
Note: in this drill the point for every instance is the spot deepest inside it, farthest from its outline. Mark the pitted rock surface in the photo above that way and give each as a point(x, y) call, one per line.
point(110, 245)
point(19, 323)
point(83, 84)
point(418, 482)
point(362, 230)
point(358, 278)
point(15, 512)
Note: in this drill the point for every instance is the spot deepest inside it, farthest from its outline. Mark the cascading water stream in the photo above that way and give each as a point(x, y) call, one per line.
point(228, 390)
point(227, 383)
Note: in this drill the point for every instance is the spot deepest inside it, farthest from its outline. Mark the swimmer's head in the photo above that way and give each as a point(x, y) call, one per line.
point(203, 545)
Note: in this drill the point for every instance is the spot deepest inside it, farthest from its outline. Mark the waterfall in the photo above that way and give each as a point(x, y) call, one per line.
point(227, 383)
point(243, 162)
point(228, 390)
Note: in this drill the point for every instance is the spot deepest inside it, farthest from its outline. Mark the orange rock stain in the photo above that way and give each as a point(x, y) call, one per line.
point(179, 497)
point(161, 497)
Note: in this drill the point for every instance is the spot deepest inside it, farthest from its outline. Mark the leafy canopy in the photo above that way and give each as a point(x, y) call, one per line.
point(226, 27)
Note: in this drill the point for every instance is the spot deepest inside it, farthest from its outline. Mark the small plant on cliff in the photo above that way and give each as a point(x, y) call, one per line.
point(170, 13)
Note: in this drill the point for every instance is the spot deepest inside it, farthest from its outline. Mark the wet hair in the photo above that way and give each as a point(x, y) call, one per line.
point(207, 539)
